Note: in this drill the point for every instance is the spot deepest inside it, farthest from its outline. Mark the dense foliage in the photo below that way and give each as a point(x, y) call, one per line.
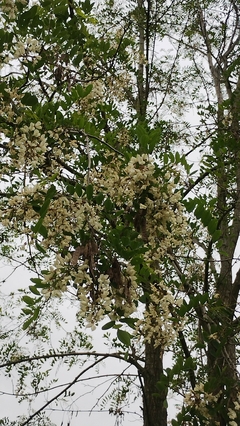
point(119, 207)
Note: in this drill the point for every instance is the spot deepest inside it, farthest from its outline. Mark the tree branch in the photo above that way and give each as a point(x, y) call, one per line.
point(198, 180)
point(64, 390)
point(87, 135)
point(121, 356)
point(187, 355)
point(235, 289)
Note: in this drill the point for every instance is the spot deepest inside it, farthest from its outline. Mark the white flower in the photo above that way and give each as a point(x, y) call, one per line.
point(36, 133)
point(20, 50)
point(231, 414)
point(38, 125)
point(32, 127)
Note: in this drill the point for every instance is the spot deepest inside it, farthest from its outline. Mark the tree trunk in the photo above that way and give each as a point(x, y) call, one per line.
point(154, 400)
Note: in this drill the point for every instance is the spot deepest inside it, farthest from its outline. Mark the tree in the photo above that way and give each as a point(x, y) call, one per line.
point(102, 206)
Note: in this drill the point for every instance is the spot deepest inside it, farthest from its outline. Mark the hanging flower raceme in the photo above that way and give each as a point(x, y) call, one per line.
point(125, 213)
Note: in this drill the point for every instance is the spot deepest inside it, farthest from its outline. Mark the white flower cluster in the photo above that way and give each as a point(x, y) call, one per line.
point(33, 45)
point(19, 49)
point(28, 147)
point(9, 109)
point(27, 48)
point(160, 223)
point(58, 278)
point(156, 214)
point(105, 299)
point(117, 86)
point(94, 302)
point(157, 323)
point(67, 214)
point(140, 170)
point(9, 7)
point(165, 225)
point(232, 414)
point(123, 137)
point(89, 103)
point(200, 399)
point(124, 185)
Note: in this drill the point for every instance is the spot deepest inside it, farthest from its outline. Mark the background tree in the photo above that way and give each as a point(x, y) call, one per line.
point(104, 207)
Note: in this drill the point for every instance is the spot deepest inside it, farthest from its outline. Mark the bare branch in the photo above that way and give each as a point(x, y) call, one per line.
point(187, 356)
point(87, 135)
point(63, 391)
point(118, 355)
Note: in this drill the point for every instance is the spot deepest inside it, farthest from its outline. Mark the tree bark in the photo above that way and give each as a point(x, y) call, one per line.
point(154, 400)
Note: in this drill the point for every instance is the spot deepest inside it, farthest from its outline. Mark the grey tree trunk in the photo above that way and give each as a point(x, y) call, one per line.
point(154, 400)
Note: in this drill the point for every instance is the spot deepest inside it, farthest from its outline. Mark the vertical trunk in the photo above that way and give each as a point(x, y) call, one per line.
point(222, 368)
point(154, 400)
point(141, 99)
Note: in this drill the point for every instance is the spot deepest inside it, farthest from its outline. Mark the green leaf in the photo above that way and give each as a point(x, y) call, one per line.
point(88, 90)
point(124, 337)
point(26, 17)
point(216, 235)
point(177, 157)
point(143, 137)
point(39, 228)
point(87, 6)
point(44, 208)
point(190, 204)
point(77, 60)
point(163, 382)
point(206, 217)
point(70, 189)
point(74, 50)
point(108, 205)
point(79, 90)
point(212, 226)
point(78, 189)
point(51, 192)
point(36, 281)
point(40, 248)
point(61, 11)
point(184, 308)
point(82, 92)
point(108, 325)
point(43, 231)
point(89, 192)
point(28, 323)
point(29, 99)
point(36, 313)
point(34, 290)
point(27, 311)
point(28, 300)
point(144, 298)
point(165, 158)
point(39, 283)
point(189, 364)
point(99, 198)
point(43, 211)
point(80, 13)
point(199, 211)
point(129, 321)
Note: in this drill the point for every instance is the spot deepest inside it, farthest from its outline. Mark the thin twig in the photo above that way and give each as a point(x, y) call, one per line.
point(63, 391)
point(120, 356)
point(87, 135)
